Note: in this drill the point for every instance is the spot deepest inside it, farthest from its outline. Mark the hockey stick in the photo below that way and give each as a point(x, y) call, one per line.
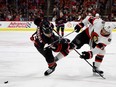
point(90, 65)
point(60, 37)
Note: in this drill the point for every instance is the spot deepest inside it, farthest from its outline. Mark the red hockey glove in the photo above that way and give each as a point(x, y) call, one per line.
point(86, 55)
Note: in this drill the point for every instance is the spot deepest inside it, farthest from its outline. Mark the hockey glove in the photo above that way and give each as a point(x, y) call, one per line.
point(86, 55)
point(78, 27)
point(64, 40)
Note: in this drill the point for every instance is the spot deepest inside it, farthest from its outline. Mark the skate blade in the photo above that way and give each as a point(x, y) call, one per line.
point(96, 74)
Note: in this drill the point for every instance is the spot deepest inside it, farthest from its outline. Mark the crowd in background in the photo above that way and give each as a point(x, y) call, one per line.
point(20, 10)
point(79, 9)
point(74, 10)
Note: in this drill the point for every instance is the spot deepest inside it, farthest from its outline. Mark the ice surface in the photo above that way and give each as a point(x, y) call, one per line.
point(23, 66)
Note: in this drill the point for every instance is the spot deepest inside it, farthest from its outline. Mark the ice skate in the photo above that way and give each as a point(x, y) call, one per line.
point(96, 69)
point(50, 70)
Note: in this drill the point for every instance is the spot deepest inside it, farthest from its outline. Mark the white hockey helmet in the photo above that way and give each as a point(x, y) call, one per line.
point(109, 27)
point(97, 15)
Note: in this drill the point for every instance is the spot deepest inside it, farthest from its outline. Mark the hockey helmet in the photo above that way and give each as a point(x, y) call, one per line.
point(109, 27)
point(37, 21)
point(97, 15)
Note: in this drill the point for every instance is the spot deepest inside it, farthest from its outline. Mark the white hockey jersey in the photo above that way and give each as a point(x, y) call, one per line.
point(94, 32)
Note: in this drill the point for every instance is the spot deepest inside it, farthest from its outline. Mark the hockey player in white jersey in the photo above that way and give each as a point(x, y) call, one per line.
point(98, 35)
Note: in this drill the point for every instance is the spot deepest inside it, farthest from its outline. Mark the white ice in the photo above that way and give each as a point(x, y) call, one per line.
point(23, 66)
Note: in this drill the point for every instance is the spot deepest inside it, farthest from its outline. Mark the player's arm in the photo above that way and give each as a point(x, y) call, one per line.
point(79, 26)
point(85, 22)
point(62, 44)
point(88, 19)
point(32, 36)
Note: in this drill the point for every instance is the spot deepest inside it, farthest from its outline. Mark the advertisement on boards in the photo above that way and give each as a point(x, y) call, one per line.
point(30, 26)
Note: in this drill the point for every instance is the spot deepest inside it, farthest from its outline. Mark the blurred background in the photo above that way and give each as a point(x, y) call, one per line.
point(73, 10)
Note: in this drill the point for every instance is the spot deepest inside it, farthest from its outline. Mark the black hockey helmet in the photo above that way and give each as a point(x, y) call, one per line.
point(46, 27)
point(37, 21)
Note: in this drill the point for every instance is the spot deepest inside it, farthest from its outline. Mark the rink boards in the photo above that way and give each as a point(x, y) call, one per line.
point(34, 29)
point(30, 26)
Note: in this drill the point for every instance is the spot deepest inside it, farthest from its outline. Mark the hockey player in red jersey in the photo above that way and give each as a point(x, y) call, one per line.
point(98, 35)
point(44, 35)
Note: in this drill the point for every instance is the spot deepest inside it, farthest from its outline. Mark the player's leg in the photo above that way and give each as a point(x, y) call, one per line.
point(98, 60)
point(50, 60)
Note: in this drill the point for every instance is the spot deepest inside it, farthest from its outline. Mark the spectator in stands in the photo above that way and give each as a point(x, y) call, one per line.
point(29, 9)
